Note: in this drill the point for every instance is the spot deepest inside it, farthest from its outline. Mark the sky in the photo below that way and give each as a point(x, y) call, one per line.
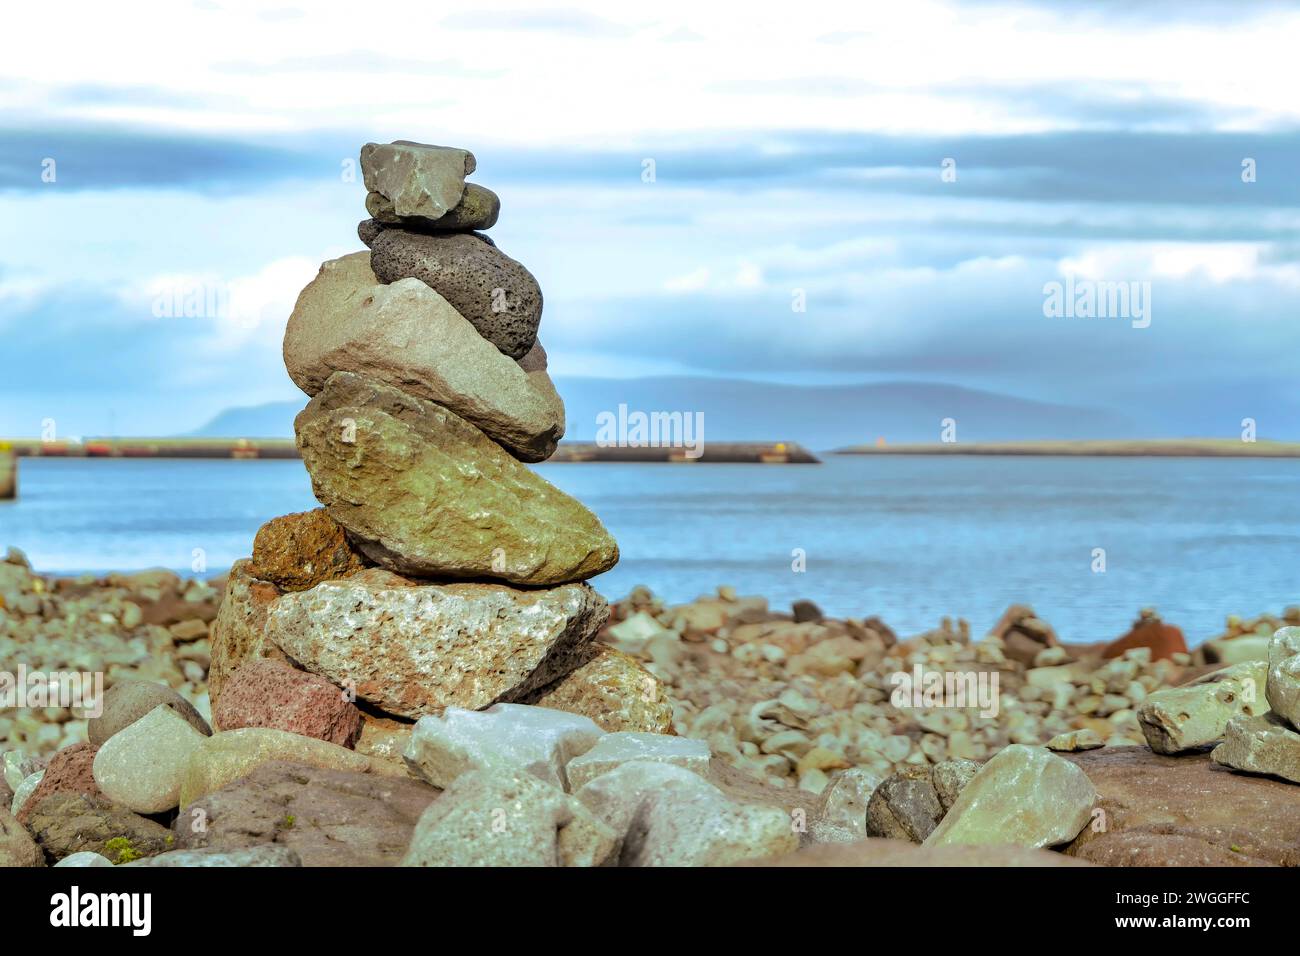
point(842, 193)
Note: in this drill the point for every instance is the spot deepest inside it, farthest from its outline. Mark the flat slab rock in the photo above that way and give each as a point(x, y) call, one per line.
point(68, 823)
point(326, 817)
point(423, 492)
point(415, 649)
point(1159, 810)
point(254, 856)
point(407, 335)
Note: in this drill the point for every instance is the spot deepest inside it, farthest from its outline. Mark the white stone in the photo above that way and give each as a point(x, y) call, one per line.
point(505, 737)
point(143, 765)
point(491, 818)
point(668, 816)
point(1283, 682)
point(25, 790)
point(613, 750)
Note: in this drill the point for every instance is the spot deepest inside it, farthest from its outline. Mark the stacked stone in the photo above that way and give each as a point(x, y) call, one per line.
point(441, 571)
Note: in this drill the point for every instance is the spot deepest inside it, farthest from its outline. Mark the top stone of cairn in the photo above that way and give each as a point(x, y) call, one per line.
point(417, 180)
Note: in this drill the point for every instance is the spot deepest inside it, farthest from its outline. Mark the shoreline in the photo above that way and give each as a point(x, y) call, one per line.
point(1136, 448)
point(252, 449)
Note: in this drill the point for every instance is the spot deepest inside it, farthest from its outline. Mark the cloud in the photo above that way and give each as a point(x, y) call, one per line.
point(570, 22)
point(357, 61)
point(103, 156)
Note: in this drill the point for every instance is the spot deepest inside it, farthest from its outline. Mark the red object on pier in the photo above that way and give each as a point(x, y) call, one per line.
point(1165, 640)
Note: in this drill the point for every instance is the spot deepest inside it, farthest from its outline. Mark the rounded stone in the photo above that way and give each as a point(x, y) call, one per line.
point(129, 700)
point(478, 208)
point(141, 766)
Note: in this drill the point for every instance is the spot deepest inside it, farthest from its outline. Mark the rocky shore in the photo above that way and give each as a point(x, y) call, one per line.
point(793, 709)
point(418, 672)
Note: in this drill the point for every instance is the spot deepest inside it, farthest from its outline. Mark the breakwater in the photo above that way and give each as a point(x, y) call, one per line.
point(1137, 448)
point(280, 448)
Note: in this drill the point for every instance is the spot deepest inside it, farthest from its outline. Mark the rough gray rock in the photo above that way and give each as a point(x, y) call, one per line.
point(17, 848)
point(417, 179)
point(905, 806)
point(478, 208)
point(414, 649)
point(1283, 682)
point(1264, 744)
point(950, 778)
point(495, 293)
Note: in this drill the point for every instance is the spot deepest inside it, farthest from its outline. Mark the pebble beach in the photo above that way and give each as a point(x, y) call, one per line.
point(794, 708)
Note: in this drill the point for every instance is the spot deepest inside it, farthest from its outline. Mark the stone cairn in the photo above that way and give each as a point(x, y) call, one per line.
point(411, 673)
point(441, 571)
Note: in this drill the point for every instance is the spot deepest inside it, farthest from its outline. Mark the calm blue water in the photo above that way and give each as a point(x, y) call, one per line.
point(908, 538)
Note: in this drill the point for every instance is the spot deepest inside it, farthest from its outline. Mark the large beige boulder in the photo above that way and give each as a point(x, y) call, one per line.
point(407, 335)
point(1026, 796)
point(423, 492)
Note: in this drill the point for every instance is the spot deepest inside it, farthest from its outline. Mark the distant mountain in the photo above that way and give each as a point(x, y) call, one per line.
point(831, 416)
point(818, 417)
point(272, 420)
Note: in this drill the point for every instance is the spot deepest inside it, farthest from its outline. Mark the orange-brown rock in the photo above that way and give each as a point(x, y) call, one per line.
point(1165, 640)
point(299, 551)
point(69, 771)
